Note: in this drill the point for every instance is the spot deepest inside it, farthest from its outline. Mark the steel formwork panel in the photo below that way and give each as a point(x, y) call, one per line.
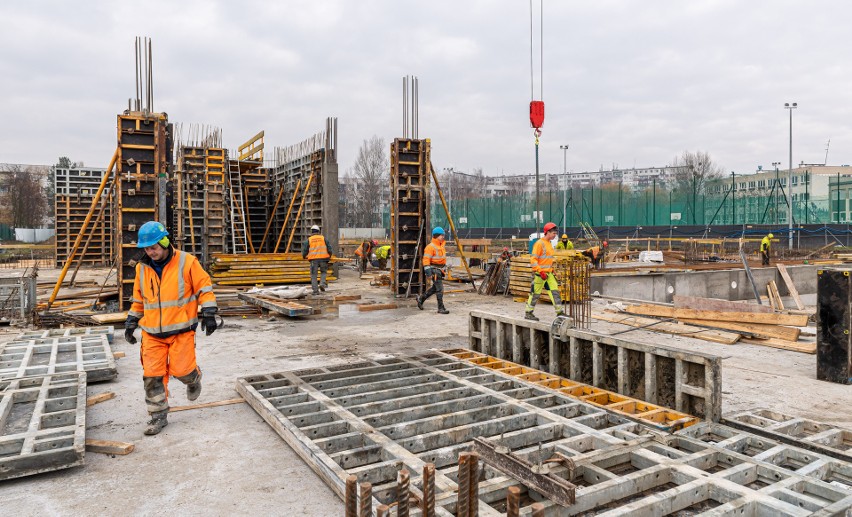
point(372, 418)
point(816, 436)
point(142, 166)
point(689, 382)
point(106, 330)
point(42, 424)
point(46, 356)
point(199, 185)
point(410, 185)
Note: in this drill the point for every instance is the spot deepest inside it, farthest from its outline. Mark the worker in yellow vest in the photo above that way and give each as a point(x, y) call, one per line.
point(564, 243)
point(316, 249)
point(765, 243)
point(541, 260)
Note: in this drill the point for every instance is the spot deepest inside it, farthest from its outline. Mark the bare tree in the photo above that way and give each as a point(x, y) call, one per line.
point(371, 175)
point(464, 185)
point(695, 169)
point(23, 196)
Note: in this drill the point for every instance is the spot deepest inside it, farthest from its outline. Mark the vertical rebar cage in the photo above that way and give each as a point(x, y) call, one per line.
point(410, 184)
point(573, 274)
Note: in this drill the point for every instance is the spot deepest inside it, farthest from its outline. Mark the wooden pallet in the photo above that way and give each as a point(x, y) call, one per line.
point(286, 307)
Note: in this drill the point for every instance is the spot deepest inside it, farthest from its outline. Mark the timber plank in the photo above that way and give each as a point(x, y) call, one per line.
point(109, 447)
point(791, 287)
point(100, 397)
point(807, 348)
point(207, 404)
point(794, 320)
point(715, 304)
point(716, 336)
point(758, 329)
point(377, 306)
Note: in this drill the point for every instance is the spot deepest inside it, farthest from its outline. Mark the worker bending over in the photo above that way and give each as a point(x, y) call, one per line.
point(564, 243)
point(169, 287)
point(765, 243)
point(541, 260)
point(362, 254)
point(434, 262)
point(316, 249)
point(382, 254)
point(596, 254)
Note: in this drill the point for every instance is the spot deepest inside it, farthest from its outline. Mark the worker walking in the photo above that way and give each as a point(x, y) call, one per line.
point(564, 243)
point(434, 262)
point(362, 254)
point(316, 249)
point(382, 254)
point(596, 254)
point(170, 286)
point(765, 243)
point(541, 260)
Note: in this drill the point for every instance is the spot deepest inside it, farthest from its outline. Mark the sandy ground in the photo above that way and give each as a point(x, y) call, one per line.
point(226, 460)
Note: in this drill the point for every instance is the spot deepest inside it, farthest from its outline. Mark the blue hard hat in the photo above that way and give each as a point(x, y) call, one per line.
point(151, 233)
point(438, 231)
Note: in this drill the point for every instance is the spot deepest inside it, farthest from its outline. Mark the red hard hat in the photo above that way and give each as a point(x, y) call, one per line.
point(605, 243)
point(374, 242)
point(548, 227)
point(505, 249)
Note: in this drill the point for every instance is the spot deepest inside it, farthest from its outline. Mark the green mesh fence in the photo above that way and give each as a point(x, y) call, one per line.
point(607, 206)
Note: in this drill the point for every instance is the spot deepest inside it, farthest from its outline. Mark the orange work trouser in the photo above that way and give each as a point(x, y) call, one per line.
point(173, 355)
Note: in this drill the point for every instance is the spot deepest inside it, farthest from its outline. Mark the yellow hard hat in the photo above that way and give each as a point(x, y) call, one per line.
point(770, 236)
point(564, 236)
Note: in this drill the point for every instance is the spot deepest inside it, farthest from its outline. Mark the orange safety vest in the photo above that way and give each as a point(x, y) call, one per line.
point(542, 256)
point(435, 254)
point(595, 250)
point(167, 305)
point(316, 248)
point(360, 250)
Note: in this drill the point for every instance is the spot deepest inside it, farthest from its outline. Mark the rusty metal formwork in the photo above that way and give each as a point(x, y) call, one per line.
point(385, 421)
point(689, 382)
point(142, 166)
point(75, 188)
point(409, 214)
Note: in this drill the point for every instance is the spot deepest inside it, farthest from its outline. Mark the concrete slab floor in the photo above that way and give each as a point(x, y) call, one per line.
point(226, 460)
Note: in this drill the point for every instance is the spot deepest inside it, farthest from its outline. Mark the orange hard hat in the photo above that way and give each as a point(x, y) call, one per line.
point(549, 226)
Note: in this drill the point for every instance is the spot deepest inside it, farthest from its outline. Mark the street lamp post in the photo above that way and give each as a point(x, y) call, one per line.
point(776, 189)
point(790, 107)
point(565, 190)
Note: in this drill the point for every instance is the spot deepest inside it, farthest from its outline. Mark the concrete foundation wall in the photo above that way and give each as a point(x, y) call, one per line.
point(728, 284)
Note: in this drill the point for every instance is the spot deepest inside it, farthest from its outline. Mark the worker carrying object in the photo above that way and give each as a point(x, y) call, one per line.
point(564, 243)
point(541, 260)
point(170, 286)
point(596, 254)
point(362, 254)
point(765, 243)
point(316, 249)
point(434, 262)
point(381, 256)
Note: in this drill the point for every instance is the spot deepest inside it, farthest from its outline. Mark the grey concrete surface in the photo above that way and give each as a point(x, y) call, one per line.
point(226, 461)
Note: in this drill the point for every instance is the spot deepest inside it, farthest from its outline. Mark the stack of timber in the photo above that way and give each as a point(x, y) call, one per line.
point(720, 321)
point(262, 268)
point(495, 278)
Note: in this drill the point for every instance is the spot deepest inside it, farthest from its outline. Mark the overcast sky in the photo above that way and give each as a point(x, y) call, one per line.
point(626, 83)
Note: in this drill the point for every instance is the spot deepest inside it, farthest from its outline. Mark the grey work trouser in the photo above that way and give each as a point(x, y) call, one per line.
point(320, 265)
point(437, 287)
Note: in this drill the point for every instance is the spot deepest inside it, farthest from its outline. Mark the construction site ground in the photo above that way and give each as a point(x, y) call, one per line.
point(226, 460)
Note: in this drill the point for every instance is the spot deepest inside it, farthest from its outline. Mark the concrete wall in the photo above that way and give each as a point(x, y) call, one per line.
point(726, 284)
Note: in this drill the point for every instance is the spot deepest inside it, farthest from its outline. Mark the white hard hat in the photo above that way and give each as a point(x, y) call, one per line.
point(314, 228)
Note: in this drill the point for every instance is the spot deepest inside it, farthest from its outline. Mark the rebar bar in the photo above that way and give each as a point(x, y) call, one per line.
point(463, 506)
point(382, 510)
point(473, 485)
point(537, 510)
point(351, 496)
point(513, 502)
point(402, 494)
point(366, 500)
point(428, 506)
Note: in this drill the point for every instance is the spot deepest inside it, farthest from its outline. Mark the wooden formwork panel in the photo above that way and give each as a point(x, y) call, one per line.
point(105, 330)
point(373, 418)
point(42, 424)
point(75, 190)
point(688, 382)
point(816, 436)
point(410, 184)
point(46, 356)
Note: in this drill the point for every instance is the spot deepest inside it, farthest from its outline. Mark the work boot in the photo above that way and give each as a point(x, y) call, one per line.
point(530, 316)
point(443, 310)
point(419, 303)
point(193, 389)
point(315, 293)
point(157, 423)
point(322, 287)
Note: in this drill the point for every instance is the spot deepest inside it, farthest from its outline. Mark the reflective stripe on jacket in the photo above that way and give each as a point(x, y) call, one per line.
point(542, 255)
point(317, 248)
point(168, 304)
point(765, 243)
point(382, 252)
point(435, 254)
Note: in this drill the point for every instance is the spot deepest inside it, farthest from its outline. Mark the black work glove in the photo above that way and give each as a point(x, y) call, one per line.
point(208, 321)
point(131, 324)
